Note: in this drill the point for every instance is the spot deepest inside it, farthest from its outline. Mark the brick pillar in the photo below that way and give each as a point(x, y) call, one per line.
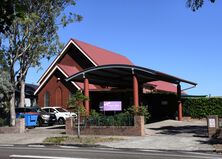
point(86, 93)
point(213, 125)
point(139, 125)
point(70, 126)
point(20, 125)
point(180, 108)
point(135, 92)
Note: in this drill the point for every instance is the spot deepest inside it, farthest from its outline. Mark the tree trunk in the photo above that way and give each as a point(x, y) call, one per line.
point(22, 94)
point(12, 110)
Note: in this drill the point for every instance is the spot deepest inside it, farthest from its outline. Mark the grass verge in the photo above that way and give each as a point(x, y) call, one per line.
point(82, 140)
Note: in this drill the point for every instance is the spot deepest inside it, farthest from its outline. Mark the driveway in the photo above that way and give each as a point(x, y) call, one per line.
point(170, 135)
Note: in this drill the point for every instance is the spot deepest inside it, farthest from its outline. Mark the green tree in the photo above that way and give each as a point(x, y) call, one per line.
point(140, 111)
point(76, 103)
point(196, 4)
point(9, 10)
point(33, 37)
point(6, 88)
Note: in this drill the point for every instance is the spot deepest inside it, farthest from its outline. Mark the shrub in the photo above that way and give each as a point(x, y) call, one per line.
point(202, 107)
point(120, 119)
point(142, 111)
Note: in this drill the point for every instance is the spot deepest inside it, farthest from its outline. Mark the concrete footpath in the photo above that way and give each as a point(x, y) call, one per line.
point(170, 135)
point(164, 135)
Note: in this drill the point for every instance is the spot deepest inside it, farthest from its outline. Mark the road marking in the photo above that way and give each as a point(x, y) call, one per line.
point(6, 145)
point(150, 150)
point(198, 153)
point(36, 146)
point(69, 147)
point(127, 152)
point(41, 157)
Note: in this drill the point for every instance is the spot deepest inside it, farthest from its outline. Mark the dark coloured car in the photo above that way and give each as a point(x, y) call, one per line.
point(44, 118)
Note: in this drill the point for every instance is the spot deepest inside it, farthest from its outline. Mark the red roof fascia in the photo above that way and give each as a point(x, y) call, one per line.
point(54, 60)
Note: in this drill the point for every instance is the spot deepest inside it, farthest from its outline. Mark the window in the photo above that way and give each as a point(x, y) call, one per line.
point(52, 110)
point(46, 109)
point(46, 99)
point(61, 110)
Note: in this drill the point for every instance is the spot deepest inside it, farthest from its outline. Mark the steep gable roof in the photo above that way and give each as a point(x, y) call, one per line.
point(102, 56)
point(96, 55)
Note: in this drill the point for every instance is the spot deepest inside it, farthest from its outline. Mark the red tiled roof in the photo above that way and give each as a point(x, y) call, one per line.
point(101, 56)
point(70, 70)
point(164, 86)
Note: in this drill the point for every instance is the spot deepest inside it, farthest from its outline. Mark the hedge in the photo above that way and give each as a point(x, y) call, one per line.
point(202, 107)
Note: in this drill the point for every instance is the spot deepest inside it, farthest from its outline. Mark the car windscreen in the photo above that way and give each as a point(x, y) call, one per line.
point(41, 110)
point(61, 110)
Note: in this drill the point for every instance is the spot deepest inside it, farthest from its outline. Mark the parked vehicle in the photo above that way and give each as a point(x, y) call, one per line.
point(44, 118)
point(61, 113)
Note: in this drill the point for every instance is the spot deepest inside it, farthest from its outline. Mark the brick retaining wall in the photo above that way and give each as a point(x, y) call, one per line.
point(136, 130)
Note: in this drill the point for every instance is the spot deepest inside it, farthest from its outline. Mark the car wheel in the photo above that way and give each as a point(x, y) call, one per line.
point(39, 122)
point(61, 121)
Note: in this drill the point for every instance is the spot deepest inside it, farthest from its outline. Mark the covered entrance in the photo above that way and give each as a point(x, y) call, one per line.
point(125, 77)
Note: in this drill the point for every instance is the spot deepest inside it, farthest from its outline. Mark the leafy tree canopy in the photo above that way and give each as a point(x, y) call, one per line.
point(76, 102)
point(9, 10)
point(5, 87)
point(34, 35)
point(196, 4)
point(31, 37)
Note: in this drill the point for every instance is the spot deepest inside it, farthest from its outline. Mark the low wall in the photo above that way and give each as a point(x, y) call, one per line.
point(136, 130)
point(19, 128)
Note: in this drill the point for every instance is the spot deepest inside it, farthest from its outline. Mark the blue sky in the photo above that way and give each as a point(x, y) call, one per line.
point(161, 35)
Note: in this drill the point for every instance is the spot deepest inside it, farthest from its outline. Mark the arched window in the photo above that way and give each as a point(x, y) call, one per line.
point(58, 96)
point(46, 99)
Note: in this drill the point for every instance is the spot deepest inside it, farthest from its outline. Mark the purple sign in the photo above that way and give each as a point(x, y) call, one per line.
point(111, 106)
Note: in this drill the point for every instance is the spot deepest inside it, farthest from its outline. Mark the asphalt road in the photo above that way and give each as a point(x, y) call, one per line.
point(68, 152)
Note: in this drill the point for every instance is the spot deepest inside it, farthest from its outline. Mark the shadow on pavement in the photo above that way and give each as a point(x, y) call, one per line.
point(197, 131)
point(211, 141)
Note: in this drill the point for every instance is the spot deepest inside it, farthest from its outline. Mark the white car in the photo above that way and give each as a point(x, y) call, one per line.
point(61, 113)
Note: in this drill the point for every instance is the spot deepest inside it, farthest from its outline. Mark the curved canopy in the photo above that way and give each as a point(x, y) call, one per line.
point(120, 75)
